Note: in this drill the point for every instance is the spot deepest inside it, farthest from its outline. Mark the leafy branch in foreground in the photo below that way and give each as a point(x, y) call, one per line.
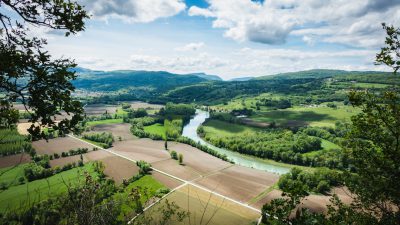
point(28, 73)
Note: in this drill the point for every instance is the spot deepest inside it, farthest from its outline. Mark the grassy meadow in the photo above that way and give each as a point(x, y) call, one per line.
point(156, 128)
point(101, 122)
point(39, 190)
point(320, 116)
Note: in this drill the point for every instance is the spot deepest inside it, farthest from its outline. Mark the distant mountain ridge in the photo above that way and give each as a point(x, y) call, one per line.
point(318, 73)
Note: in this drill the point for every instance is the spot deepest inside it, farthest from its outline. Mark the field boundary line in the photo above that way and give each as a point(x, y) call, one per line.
point(159, 200)
point(177, 178)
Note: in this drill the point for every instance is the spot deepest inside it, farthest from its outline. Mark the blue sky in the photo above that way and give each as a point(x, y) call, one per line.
point(229, 38)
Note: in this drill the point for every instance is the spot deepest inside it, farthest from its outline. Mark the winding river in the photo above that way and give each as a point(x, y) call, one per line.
point(190, 131)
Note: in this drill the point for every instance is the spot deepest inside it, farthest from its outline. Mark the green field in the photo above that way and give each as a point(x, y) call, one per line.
point(101, 145)
point(217, 128)
point(156, 128)
point(101, 122)
point(9, 176)
point(301, 116)
point(39, 190)
point(327, 145)
point(147, 183)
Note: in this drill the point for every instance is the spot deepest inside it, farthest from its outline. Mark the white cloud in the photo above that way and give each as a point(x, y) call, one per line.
point(196, 11)
point(136, 11)
point(191, 47)
point(354, 22)
point(180, 64)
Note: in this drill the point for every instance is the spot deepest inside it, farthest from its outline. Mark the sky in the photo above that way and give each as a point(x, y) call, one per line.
point(229, 38)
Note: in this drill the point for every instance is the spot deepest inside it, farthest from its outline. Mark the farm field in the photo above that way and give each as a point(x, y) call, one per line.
point(144, 105)
point(12, 160)
point(116, 167)
point(118, 130)
point(39, 190)
point(10, 175)
point(197, 201)
point(104, 122)
point(58, 145)
point(99, 109)
point(301, 116)
point(142, 149)
point(240, 183)
point(217, 128)
point(157, 128)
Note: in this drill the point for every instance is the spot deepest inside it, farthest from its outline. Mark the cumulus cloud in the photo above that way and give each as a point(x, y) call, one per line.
point(184, 64)
point(191, 47)
point(140, 11)
point(196, 11)
point(354, 22)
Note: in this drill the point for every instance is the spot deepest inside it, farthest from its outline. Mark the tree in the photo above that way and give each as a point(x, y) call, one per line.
point(166, 144)
point(180, 158)
point(390, 54)
point(28, 73)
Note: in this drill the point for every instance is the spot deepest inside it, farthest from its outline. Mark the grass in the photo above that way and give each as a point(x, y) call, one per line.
point(10, 175)
point(39, 190)
point(201, 204)
point(313, 116)
point(102, 122)
point(219, 128)
point(98, 144)
point(327, 145)
point(156, 128)
point(147, 182)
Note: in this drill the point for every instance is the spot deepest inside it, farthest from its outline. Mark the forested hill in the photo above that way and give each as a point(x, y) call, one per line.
point(325, 73)
point(162, 87)
point(159, 81)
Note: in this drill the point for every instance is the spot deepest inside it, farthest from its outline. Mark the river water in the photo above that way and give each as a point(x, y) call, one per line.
point(190, 131)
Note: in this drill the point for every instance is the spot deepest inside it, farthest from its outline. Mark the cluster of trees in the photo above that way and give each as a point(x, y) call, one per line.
point(176, 156)
point(40, 168)
point(138, 113)
point(321, 180)
point(105, 116)
point(105, 138)
point(173, 128)
point(280, 145)
point(282, 103)
point(171, 111)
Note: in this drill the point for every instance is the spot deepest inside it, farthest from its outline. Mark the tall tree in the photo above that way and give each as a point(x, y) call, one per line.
point(27, 71)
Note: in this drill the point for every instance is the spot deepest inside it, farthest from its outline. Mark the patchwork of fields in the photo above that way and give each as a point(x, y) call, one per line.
point(236, 186)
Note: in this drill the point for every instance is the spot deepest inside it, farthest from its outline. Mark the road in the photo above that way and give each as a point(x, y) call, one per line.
point(185, 182)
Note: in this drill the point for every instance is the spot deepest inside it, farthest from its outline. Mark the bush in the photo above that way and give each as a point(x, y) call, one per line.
point(174, 155)
point(144, 167)
point(105, 137)
point(161, 192)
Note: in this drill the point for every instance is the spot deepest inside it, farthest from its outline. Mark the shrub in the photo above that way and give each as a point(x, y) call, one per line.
point(144, 167)
point(174, 155)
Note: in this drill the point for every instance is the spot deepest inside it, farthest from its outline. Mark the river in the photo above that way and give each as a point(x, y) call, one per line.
point(190, 131)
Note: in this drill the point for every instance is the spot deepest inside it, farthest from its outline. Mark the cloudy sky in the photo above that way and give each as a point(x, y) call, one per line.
point(229, 38)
